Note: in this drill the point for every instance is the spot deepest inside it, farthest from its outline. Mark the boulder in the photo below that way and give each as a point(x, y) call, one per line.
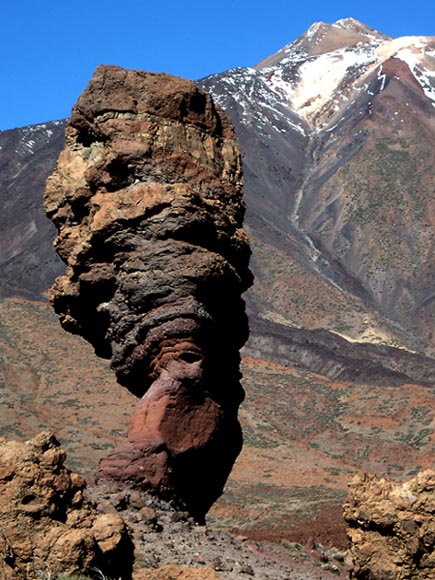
point(392, 527)
point(46, 526)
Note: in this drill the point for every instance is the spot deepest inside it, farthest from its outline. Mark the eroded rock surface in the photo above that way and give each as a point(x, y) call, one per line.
point(392, 527)
point(147, 200)
point(46, 526)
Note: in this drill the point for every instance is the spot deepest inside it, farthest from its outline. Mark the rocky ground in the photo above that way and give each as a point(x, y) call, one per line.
point(54, 524)
point(304, 437)
point(170, 542)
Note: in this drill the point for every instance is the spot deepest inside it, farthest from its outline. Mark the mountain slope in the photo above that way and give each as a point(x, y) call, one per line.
point(28, 263)
point(336, 130)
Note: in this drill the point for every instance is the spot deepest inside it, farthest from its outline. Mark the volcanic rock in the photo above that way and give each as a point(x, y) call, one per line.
point(147, 201)
point(46, 526)
point(391, 527)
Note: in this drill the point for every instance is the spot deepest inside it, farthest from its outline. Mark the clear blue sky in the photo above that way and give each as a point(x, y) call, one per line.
point(49, 49)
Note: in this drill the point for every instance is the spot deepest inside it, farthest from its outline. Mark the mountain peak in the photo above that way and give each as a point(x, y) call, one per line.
point(322, 38)
point(317, 72)
point(354, 24)
point(343, 23)
point(349, 22)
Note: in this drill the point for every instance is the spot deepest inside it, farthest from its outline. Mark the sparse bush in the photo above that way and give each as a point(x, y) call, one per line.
point(96, 575)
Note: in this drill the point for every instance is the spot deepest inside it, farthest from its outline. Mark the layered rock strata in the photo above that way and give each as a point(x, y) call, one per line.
point(147, 201)
point(392, 528)
point(47, 528)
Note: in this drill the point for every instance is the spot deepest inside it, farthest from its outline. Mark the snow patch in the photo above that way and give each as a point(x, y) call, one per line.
point(308, 84)
point(318, 78)
point(412, 56)
point(388, 49)
point(382, 77)
point(312, 31)
point(249, 89)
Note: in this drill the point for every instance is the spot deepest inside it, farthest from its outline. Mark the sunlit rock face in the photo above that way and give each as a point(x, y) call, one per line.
point(391, 527)
point(48, 528)
point(147, 201)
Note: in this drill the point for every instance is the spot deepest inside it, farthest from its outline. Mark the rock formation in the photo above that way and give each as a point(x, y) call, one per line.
point(392, 527)
point(147, 200)
point(46, 526)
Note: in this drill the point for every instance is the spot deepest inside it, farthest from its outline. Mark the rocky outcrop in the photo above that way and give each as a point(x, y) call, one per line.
point(147, 200)
point(392, 528)
point(46, 526)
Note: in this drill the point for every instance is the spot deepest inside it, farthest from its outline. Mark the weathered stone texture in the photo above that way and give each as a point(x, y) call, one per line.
point(147, 200)
point(46, 526)
point(392, 527)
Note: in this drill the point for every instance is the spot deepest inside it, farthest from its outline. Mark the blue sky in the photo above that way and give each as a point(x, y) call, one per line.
point(49, 49)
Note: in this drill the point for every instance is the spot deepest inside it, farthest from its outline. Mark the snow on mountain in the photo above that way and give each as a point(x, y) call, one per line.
point(33, 137)
point(319, 74)
point(257, 102)
point(336, 133)
point(419, 54)
point(317, 78)
point(309, 72)
point(27, 260)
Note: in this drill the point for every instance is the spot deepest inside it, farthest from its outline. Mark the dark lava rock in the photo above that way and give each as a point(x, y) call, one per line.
point(147, 201)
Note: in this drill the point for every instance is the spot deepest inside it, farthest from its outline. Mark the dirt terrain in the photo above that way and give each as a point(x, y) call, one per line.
point(304, 436)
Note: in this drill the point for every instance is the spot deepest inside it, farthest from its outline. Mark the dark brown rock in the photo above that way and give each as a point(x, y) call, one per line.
point(46, 525)
point(147, 201)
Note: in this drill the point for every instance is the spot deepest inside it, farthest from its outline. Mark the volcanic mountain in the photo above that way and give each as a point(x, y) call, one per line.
point(337, 132)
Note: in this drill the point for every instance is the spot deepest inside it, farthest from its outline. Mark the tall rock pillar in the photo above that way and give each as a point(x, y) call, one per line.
point(147, 201)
